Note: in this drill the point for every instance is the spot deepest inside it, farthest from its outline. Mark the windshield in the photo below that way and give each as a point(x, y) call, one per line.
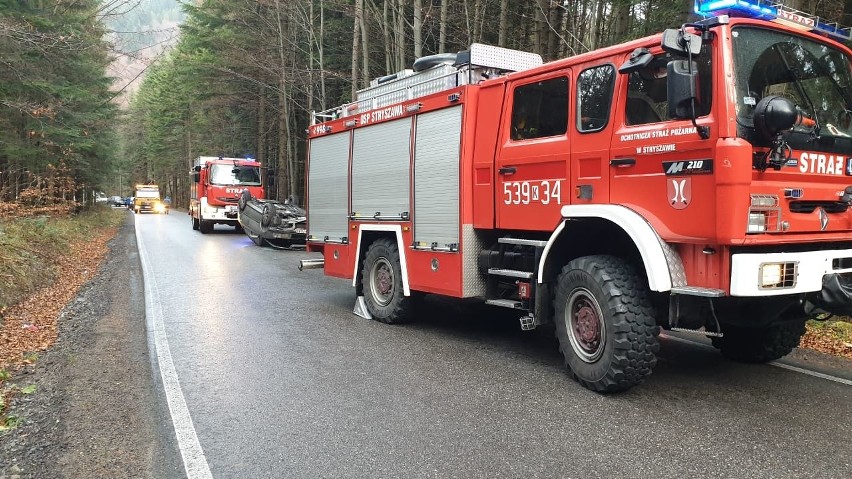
point(229, 175)
point(815, 76)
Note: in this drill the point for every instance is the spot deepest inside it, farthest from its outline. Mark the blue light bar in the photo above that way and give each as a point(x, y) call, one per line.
point(774, 12)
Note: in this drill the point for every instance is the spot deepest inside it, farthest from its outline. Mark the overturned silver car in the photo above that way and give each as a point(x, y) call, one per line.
point(280, 225)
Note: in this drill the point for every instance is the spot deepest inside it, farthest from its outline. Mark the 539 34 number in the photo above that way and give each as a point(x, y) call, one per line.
point(543, 192)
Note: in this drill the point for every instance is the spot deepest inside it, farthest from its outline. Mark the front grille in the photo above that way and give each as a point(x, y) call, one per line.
point(227, 199)
point(811, 206)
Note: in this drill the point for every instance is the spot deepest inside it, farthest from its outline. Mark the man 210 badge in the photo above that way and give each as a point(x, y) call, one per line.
point(688, 167)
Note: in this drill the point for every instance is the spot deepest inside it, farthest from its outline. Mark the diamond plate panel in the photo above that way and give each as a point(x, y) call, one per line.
point(473, 282)
point(674, 263)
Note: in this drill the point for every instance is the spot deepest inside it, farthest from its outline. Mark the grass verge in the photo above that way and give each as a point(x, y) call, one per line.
point(43, 262)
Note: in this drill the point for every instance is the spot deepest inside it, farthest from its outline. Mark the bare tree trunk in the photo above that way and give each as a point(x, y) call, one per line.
point(312, 41)
point(504, 23)
point(260, 155)
point(283, 172)
point(621, 15)
point(365, 44)
point(321, 48)
point(442, 35)
point(389, 51)
point(356, 45)
point(552, 37)
point(540, 29)
point(418, 28)
point(399, 33)
point(478, 15)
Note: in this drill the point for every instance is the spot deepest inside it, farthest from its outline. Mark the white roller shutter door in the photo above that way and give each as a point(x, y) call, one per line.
point(381, 167)
point(328, 188)
point(436, 179)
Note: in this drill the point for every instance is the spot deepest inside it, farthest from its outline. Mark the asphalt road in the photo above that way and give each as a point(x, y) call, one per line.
point(280, 379)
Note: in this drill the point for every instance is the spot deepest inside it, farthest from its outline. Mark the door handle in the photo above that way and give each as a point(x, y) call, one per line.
point(507, 170)
point(622, 162)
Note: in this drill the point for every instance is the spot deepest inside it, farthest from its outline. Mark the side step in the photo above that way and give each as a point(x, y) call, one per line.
point(511, 273)
point(523, 242)
point(505, 303)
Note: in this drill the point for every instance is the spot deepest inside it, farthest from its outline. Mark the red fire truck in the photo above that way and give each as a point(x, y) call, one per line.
point(216, 187)
point(697, 180)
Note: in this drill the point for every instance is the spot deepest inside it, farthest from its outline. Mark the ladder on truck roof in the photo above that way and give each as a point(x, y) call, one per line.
point(433, 74)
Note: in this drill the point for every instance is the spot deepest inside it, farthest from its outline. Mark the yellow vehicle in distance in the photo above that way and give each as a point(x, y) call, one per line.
point(148, 200)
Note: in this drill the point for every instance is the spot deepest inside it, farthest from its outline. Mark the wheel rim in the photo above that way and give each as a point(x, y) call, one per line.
point(585, 324)
point(382, 281)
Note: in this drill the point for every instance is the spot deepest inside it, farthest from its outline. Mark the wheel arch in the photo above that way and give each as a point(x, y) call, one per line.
point(614, 230)
point(367, 234)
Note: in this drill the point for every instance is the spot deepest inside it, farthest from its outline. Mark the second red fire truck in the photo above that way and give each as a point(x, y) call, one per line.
point(217, 183)
point(697, 180)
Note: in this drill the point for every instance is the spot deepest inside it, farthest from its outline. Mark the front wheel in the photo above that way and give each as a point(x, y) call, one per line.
point(605, 323)
point(759, 345)
point(383, 290)
point(205, 226)
point(194, 222)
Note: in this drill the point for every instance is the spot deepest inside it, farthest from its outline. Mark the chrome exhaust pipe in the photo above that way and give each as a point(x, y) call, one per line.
point(311, 264)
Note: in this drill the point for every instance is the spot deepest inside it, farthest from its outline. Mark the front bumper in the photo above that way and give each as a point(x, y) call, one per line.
point(226, 214)
point(825, 274)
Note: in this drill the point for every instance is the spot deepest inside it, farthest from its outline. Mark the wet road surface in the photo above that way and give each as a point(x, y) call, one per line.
point(282, 380)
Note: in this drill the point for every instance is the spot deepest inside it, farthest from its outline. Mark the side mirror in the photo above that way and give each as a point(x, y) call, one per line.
point(196, 177)
point(197, 168)
point(678, 42)
point(681, 86)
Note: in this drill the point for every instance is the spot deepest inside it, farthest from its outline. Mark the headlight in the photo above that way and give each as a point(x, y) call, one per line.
point(764, 214)
point(777, 275)
point(159, 208)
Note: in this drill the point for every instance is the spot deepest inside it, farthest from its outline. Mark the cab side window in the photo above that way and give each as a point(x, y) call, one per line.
point(646, 95)
point(540, 109)
point(647, 100)
point(594, 97)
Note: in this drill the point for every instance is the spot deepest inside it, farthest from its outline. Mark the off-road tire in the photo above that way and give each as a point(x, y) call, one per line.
point(759, 345)
point(606, 291)
point(382, 281)
point(205, 226)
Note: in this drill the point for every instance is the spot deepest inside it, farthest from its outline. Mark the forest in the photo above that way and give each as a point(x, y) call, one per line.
point(245, 75)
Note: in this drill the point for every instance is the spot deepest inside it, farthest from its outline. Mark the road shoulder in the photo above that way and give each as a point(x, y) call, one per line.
point(96, 411)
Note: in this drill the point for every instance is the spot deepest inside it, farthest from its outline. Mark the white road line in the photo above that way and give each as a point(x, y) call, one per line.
point(813, 373)
point(194, 461)
point(774, 363)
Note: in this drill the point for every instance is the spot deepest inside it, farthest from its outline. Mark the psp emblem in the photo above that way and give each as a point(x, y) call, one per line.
point(679, 192)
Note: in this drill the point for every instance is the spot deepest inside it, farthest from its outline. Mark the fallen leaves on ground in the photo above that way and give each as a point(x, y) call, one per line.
point(31, 325)
point(830, 337)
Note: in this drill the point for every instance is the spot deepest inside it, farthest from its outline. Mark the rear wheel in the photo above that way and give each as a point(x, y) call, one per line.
point(759, 345)
point(605, 323)
point(382, 278)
